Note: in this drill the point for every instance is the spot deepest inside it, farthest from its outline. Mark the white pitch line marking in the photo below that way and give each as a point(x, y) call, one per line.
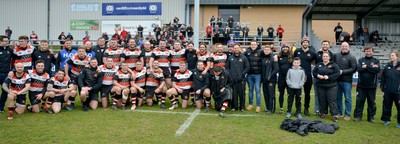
point(189, 113)
point(187, 123)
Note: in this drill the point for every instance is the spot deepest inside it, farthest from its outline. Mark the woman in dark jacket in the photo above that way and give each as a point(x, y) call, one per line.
point(269, 69)
point(327, 73)
point(390, 85)
point(285, 63)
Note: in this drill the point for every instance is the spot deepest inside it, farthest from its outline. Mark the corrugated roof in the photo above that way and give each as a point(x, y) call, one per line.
point(250, 2)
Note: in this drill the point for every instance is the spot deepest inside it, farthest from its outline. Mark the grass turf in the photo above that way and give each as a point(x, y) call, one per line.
point(109, 126)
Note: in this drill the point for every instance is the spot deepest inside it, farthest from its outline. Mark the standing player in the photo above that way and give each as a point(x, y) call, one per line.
point(178, 55)
point(114, 52)
point(22, 53)
point(59, 88)
point(37, 91)
point(65, 54)
point(155, 85)
point(147, 55)
point(180, 86)
point(132, 54)
point(89, 50)
point(162, 55)
point(44, 54)
point(219, 58)
point(16, 87)
point(122, 86)
point(89, 82)
point(108, 70)
point(201, 83)
point(191, 57)
point(5, 56)
point(77, 63)
point(139, 76)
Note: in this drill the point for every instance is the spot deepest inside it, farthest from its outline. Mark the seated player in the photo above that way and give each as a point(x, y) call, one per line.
point(200, 85)
point(122, 86)
point(89, 82)
point(108, 70)
point(220, 85)
point(139, 76)
point(59, 88)
point(155, 85)
point(37, 91)
point(180, 86)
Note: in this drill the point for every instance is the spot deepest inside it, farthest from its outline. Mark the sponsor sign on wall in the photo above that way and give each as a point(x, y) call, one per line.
point(131, 26)
point(143, 8)
point(84, 7)
point(84, 25)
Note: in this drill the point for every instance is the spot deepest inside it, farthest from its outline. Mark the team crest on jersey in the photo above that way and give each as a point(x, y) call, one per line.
point(256, 54)
point(48, 57)
point(222, 77)
point(298, 52)
point(330, 66)
point(398, 68)
point(280, 59)
point(95, 75)
point(388, 67)
point(308, 54)
point(240, 60)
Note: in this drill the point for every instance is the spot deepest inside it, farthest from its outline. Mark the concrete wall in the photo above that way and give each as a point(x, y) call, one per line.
point(324, 28)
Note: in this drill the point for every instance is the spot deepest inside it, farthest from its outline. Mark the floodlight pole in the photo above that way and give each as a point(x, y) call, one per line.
point(196, 23)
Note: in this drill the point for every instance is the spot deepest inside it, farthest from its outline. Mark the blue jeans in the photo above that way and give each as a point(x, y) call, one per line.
point(259, 38)
point(344, 88)
point(236, 35)
point(3, 97)
point(254, 81)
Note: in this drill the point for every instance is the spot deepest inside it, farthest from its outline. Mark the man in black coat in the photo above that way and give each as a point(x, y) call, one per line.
point(89, 82)
point(221, 88)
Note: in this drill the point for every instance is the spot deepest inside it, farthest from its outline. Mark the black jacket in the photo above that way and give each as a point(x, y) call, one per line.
point(5, 57)
point(90, 77)
point(99, 53)
point(348, 64)
point(191, 59)
point(46, 56)
point(217, 82)
point(200, 81)
point(238, 67)
point(269, 68)
point(331, 70)
point(390, 81)
point(368, 77)
point(319, 56)
point(302, 126)
point(284, 66)
point(254, 57)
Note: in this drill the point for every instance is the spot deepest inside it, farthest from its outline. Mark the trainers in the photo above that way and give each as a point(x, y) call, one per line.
point(11, 115)
point(317, 113)
point(123, 108)
point(114, 107)
point(288, 115)
point(242, 110)
point(299, 116)
point(341, 116)
point(258, 109)
point(84, 108)
point(346, 118)
point(162, 106)
point(222, 114)
point(386, 123)
point(133, 107)
point(206, 109)
point(72, 106)
point(280, 111)
point(172, 107)
point(269, 112)
point(250, 107)
point(371, 120)
point(28, 107)
point(306, 112)
point(49, 111)
point(357, 119)
point(398, 125)
point(335, 119)
point(323, 116)
point(10, 118)
point(233, 110)
point(159, 103)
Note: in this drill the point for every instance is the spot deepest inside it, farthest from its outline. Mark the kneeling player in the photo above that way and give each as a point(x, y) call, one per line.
point(220, 84)
point(201, 82)
point(180, 86)
point(90, 82)
point(108, 71)
point(122, 86)
point(155, 85)
point(16, 87)
point(59, 88)
point(139, 76)
point(37, 91)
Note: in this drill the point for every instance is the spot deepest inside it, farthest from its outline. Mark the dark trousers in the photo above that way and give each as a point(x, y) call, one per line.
point(327, 97)
point(294, 94)
point(370, 95)
point(269, 95)
point(238, 94)
point(220, 98)
point(4, 94)
point(307, 89)
point(337, 34)
point(282, 85)
point(388, 99)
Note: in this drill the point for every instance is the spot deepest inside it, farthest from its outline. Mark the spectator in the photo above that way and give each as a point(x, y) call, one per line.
point(260, 31)
point(237, 30)
point(106, 38)
point(279, 32)
point(209, 30)
point(124, 33)
point(189, 30)
point(375, 37)
point(231, 42)
point(85, 35)
point(171, 30)
point(230, 21)
point(338, 29)
point(176, 21)
point(360, 35)
point(344, 37)
point(182, 30)
point(227, 32)
point(129, 36)
point(87, 39)
point(217, 32)
point(212, 21)
point(219, 21)
point(34, 38)
point(270, 31)
point(8, 33)
point(69, 36)
point(140, 31)
point(62, 38)
point(116, 35)
point(157, 31)
point(245, 33)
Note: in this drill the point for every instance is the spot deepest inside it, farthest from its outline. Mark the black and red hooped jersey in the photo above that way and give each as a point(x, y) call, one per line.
point(176, 58)
point(219, 59)
point(108, 74)
point(57, 84)
point(123, 78)
point(162, 57)
point(205, 57)
point(154, 78)
point(38, 81)
point(24, 56)
point(183, 80)
point(115, 54)
point(140, 79)
point(18, 83)
point(132, 56)
point(77, 64)
point(147, 56)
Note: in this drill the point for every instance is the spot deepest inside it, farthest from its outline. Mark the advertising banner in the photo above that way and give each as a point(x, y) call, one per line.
point(131, 26)
point(84, 25)
point(144, 8)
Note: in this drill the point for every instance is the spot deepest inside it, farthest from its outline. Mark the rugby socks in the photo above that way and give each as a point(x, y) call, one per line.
point(208, 101)
point(11, 111)
point(224, 105)
point(163, 97)
point(133, 98)
point(172, 98)
point(49, 103)
point(192, 97)
point(71, 100)
point(176, 99)
point(159, 97)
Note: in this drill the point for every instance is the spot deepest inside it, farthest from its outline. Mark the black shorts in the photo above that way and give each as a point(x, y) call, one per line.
point(93, 95)
point(74, 79)
point(198, 96)
point(184, 95)
point(21, 99)
point(138, 94)
point(59, 99)
point(105, 90)
point(150, 91)
point(32, 97)
point(166, 72)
